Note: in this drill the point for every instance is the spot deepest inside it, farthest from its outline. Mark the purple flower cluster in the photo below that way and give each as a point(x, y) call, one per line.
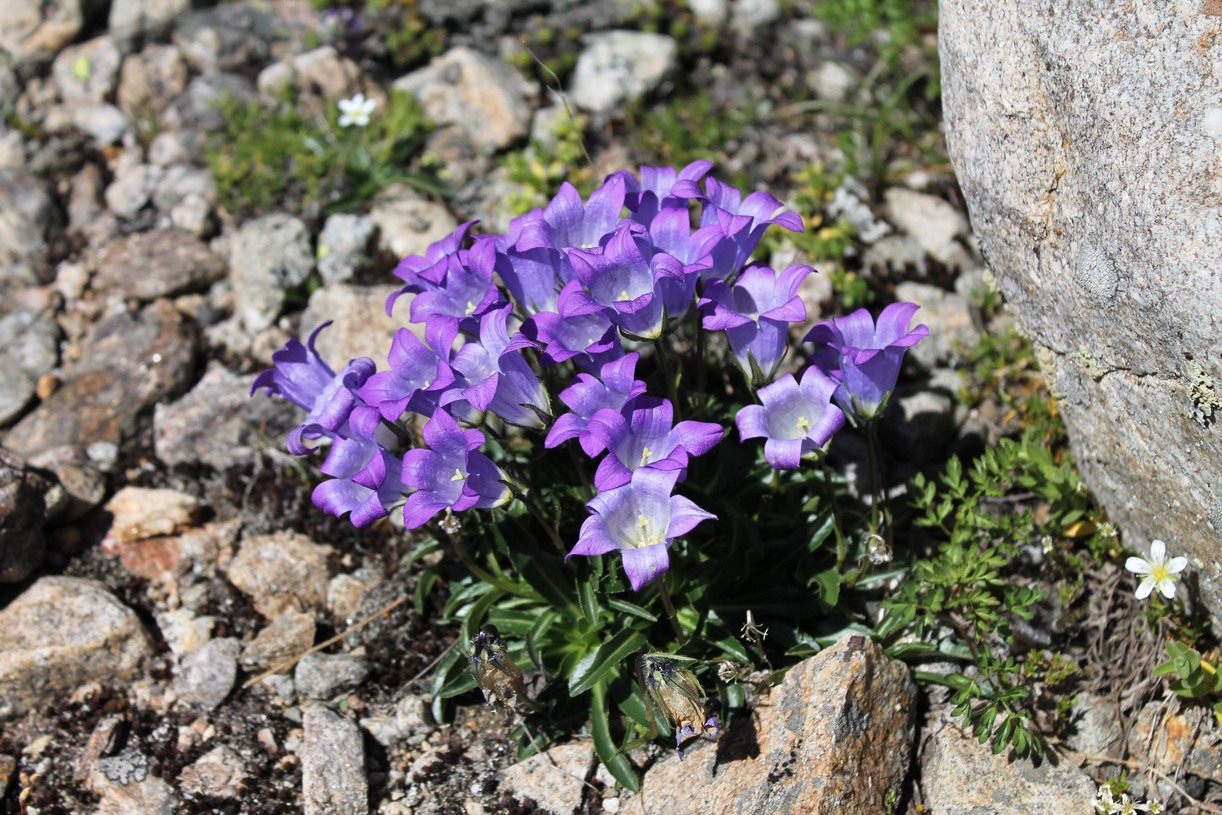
point(569, 284)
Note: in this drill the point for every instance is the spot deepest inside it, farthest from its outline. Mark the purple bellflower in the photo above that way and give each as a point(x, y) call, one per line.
point(587, 396)
point(416, 270)
point(418, 373)
point(795, 419)
point(301, 376)
point(755, 314)
point(497, 377)
point(568, 223)
point(466, 292)
point(743, 222)
point(639, 519)
point(662, 188)
point(450, 473)
point(625, 284)
point(590, 337)
point(364, 473)
point(864, 358)
point(644, 435)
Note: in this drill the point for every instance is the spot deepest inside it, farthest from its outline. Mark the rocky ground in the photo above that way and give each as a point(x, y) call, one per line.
point(182, 629)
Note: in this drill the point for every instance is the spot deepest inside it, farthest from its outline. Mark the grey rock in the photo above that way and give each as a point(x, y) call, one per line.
point(276, 79)
point(408, 222)
point(226, 38)
point(177, 181)
point(482, 95)
point(343, 246)
point(322, 676)
point(161, 263)
point(138, 513)
point(86, 213)
point(183, 630)
point(749, 15)
point(198, 107)
point(132, 21)
point(616, 67)
point(25, 213)
point(104, 123)
point(324, 72)
point(933, 222)
point(949, 316)
point(554, 780)
point(361, 327)
point(207, 674)
point(87, 72)
point(150, 80)
point(80, 486)
point(33, 33)
point(193, 214)
point(270, 255)
point(281, 572)
point(848, 706)
point(175, 147)
point(218, 423)
point(12, 148)
point(1098, 213)
point(1094, 725)
point(849, 204)
point(23, 509)
point(287, 637)
point(132, 360)
point(832, 81)
point(333, 765)
point(711, 13)
point(896, 253)
point(29, 344)
point(219, 773)
point(959, 774)
point(127, 787)
point(61, 633)
point(133, 183)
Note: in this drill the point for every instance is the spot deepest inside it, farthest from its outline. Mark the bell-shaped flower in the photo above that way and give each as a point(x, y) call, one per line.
point(742, 223)
point(301, 376)
point(865, 358)
point(568, 222)
point(364, 472)
point(533, 276)
point(588, 395)
point(450, 473)
point(419, 371)
point(497, 377)
point(796, 419)
point(644, 435)
point(415, 270)
point(661, 188)
point(589, 335)
point(755, 313)
point(626, 285)
point(465, 291)
point(639, 519)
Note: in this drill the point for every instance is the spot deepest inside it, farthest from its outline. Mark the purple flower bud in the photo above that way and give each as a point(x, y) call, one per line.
point(865, 359)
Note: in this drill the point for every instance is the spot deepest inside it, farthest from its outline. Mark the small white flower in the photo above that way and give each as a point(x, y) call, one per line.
point(355, 111)
point(1157, 572)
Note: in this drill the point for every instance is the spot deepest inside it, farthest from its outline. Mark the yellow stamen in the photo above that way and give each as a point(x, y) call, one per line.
point(470, 308)
point(803, 424)
point(645, 454)
point(458, 476)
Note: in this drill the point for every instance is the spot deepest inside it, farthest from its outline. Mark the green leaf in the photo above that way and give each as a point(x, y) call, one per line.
point(589, 602)
point(603, 659)
point(631, 608)
point(452, 679)
point(617, 763)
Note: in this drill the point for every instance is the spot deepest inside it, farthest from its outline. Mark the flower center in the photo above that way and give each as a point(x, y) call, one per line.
point(803, 425)
point(645, 454)
point(1159, 573)
point(458, 476)
point(470, 308)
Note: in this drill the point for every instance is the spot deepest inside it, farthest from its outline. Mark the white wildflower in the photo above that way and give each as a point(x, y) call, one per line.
point(355, 111)
point(1158, 572)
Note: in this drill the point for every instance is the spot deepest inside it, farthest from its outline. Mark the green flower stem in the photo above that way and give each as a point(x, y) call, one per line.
point(841, 546)
point(483, 574)
point(880, 511)
point(664, 593)
point(670, 373)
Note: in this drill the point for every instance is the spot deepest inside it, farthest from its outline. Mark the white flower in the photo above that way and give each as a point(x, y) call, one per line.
point(1105, 804)
point(355, 111)
point(1157, 572)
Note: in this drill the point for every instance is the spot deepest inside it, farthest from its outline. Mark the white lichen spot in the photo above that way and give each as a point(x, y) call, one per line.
point(1205, 401)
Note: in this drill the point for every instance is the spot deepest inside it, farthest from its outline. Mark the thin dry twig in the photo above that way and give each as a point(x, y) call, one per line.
point(288, 664)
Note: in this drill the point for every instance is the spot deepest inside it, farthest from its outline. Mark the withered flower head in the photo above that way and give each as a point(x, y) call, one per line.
point(495, 673)
point(674, 689)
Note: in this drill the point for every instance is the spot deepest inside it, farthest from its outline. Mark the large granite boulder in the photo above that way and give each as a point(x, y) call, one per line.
point(1087, 136)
